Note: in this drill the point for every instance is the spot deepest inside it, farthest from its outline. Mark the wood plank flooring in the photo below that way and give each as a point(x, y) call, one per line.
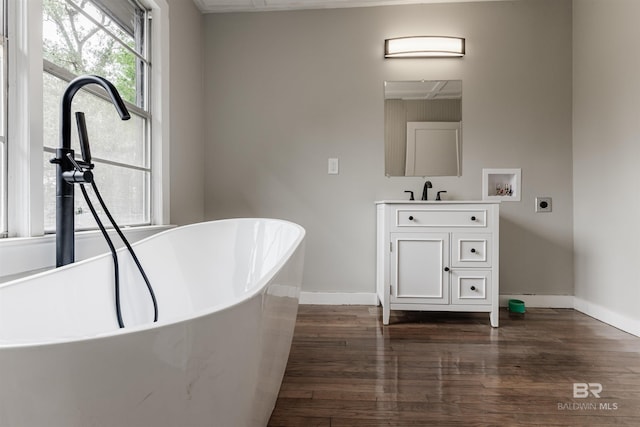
point(448, 369)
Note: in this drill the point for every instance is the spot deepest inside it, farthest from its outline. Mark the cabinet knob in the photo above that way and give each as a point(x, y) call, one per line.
point(473, 218)
point(446, 269)
point(473, 250)
point(473, 288)
point(410, 218)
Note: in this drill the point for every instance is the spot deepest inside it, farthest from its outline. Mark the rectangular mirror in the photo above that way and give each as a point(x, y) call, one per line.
point(423, 127)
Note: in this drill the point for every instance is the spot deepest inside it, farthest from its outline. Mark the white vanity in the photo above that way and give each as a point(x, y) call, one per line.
point(438, 256)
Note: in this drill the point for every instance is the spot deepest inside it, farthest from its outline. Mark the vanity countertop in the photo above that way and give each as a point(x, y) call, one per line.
point(436, 202)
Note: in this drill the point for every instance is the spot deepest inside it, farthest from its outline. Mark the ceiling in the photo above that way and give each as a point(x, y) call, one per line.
point(423, 89)
point(217, 6)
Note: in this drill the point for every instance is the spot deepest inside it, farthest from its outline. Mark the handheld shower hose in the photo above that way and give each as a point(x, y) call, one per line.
point(86, 157)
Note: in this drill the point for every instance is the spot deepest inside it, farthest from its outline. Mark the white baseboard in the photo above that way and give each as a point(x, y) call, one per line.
point(608, 316)
point(339, 298)
point(598, 312)
point(540, 301)
point(365, 298)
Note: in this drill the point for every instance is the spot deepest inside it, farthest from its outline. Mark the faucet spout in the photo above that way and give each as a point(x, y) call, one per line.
point(425, 190)
point(67, 170)
point(73, 87)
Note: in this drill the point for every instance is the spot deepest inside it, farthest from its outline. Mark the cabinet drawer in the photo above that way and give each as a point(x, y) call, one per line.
point(471, 287)
point(441, 218)
point(471, 250)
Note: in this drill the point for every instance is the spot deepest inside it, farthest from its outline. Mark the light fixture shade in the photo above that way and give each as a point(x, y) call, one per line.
point(424, 47)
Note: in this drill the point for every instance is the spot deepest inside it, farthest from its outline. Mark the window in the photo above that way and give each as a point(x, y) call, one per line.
point(131, 158)
point(107, 38)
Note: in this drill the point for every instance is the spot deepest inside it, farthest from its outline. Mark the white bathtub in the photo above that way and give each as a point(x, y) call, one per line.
point(227, 293)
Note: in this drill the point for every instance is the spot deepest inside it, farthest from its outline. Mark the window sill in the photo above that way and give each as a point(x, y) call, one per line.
point(23, 256)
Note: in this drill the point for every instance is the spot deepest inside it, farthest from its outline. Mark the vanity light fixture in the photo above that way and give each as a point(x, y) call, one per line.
point(424, 47)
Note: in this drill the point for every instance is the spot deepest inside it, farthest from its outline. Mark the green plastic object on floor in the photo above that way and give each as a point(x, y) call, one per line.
point(516, 306)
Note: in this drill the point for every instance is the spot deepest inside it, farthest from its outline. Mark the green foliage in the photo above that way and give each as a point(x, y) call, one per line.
point(73, 42)
point(126, 76)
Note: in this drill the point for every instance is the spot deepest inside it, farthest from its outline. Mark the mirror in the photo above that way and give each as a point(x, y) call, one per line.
point(423, 127)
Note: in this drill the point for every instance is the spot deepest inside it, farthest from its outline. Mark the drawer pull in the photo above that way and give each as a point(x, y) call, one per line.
point(473, 250)
point(410, 218)
point(473, 218)
point(473, 288)
point(446, 269)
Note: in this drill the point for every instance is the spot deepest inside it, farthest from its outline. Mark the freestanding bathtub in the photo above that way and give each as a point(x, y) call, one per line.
point(227, 293)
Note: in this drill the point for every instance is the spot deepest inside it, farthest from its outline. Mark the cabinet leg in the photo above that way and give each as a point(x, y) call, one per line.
point(495, 318)
point(385, 314)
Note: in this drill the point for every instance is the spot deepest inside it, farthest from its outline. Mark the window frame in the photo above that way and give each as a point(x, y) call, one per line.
point(3, 120)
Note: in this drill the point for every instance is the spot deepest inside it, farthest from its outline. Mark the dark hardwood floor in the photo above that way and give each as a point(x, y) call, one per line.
point(446, 369)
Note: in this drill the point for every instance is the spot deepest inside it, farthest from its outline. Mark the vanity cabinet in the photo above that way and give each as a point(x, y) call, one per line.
point(438, 256)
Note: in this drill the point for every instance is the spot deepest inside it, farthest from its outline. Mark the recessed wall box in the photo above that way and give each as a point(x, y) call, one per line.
point(501, 184)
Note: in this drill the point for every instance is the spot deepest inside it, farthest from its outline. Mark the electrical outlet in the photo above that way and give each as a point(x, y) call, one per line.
point(543, 204)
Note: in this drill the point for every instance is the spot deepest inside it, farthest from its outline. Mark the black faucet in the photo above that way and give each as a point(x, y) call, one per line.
point(427, 186)
point(70, 172)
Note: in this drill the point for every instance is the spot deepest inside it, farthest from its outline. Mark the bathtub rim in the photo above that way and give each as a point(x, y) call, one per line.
point(262, 283)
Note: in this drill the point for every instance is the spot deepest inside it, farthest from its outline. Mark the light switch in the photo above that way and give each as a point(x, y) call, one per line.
point(333, 166)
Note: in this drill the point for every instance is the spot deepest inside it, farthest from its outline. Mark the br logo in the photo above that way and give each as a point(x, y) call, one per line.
point(582, 390)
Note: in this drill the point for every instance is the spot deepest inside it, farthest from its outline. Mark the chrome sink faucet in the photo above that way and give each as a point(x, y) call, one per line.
point(425, 190)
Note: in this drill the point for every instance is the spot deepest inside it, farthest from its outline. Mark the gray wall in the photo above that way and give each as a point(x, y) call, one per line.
point(606, 151)
point(186, 34)
point(284, 91)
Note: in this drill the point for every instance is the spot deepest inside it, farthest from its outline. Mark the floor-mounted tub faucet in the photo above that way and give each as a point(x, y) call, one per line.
point(70, 172)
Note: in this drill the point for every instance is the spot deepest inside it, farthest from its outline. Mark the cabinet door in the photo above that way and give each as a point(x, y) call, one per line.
point(418, 261)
